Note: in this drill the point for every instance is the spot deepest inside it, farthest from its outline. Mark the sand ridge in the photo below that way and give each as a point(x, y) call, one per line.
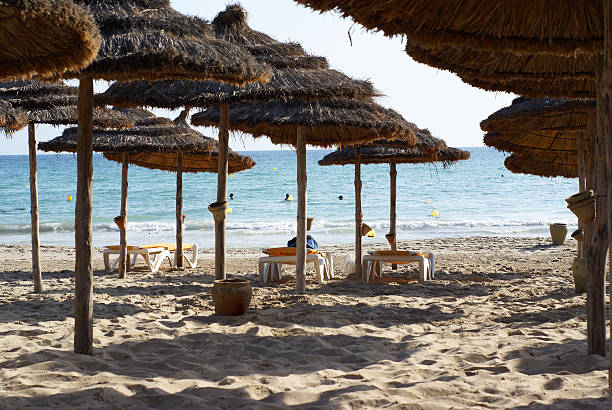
point(499, 327)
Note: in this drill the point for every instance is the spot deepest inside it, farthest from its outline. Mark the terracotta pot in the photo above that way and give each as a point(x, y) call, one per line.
point(365, 228)
point(120, 221)
point(558, 231)
point(218, 210)
point(231, 297)
point(579, 197)
point(579, 272)
point(309, 223)
point(585, 209)
point(390, 238)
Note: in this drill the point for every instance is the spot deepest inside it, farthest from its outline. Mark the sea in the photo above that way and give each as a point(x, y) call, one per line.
point(477, 197)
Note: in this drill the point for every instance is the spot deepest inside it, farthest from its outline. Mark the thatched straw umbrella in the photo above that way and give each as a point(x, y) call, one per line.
point(296, 75)
point(427, 150)
point(142, 40)
point(339, 122)
point(154, 143)
point(11, 119)
point(545, 165)
point(528, 75)
point(541, 27)
point(56, 104)
point(578, 32)
point(543, 126)
point(45, 38)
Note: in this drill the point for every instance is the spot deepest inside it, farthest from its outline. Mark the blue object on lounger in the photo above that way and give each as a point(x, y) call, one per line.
point(310, 243)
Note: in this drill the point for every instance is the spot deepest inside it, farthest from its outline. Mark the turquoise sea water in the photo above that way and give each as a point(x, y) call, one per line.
point(475, 197)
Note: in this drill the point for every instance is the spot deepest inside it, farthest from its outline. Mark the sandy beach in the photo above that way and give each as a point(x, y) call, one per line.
point(499, 327)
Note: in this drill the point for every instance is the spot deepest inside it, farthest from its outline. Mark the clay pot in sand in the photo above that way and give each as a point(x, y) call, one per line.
point(231, 297)
point(558, 232)
point(579, 272)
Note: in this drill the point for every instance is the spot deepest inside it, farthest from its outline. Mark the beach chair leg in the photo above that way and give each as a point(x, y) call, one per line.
point(147, 259)
point(432, 266)
point(368, 268)
point(319, 264)
point(115, 263)
point(266, 271)
point(106, 261)
point(378, 266)
point(422, 276)
point(260, 268)
point(279, 269)
point(193, 262)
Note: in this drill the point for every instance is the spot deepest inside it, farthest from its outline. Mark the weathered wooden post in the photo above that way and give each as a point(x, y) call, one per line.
point(36, 275)
point(123, 257)
point(178, 254)
point(83, 274)
point(300, 265)
point(358, 217)
point(392, 207)
point(221, 191)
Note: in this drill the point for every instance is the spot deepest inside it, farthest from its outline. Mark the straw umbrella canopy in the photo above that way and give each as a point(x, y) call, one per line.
point(553, 125)
point(544, 165)
point(576, 31)
point(48, 103)
point(155, 143)
point(338, 122)
point(553, 131)
point(11, 119)
point(528, 75)
point(541, 27)
point(141, 39)
point(45, 38)
point(297, 75)
point(325, 124)
point(389, 153)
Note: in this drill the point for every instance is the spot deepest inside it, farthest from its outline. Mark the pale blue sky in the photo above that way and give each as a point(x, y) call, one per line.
point(428, 97)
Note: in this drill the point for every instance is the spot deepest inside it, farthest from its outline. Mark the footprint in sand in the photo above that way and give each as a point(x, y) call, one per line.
point(554, 384)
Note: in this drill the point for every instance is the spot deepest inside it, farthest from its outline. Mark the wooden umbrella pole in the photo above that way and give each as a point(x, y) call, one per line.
point(34, 209)
point(221, 191)
point(300, 265)
point(178, 255)
point(581, 182)
point(599, 243)
point(606, 93)
point(123, 257)
point(358, 218)
point(392, 206)
point(83, 274)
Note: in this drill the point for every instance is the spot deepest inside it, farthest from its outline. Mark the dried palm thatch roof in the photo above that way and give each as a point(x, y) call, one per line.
point(55, 103)
point(542, 125)
point(536, 26)
point(148, 40)
point(303, 85)
point(231, 25)
point(290, 80)
point(551, 165)
point(530, 75)
point(425, 142)
point(45, 38)
point(11, 119)
point(386, 155)
point(339, 122)
point(162, 138)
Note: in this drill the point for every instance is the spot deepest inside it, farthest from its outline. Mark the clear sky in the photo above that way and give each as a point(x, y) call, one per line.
point(430, 98)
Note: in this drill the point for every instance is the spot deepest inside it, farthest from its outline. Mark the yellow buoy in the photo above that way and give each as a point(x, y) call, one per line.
point(371, 234)
point(228, 211)
point(289, 198)
point(435, 213)
point(69, 198)
point(232, 176)
point(275, 168)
